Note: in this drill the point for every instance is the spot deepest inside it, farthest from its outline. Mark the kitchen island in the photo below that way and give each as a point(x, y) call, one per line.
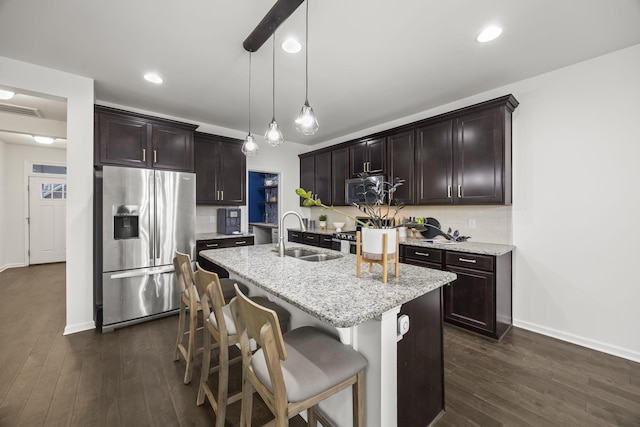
point(361, 311)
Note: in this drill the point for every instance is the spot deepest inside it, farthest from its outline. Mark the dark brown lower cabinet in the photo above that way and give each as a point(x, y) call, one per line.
point(232, 242)
point(309, 238)
point(420, 362)
point(479, 300)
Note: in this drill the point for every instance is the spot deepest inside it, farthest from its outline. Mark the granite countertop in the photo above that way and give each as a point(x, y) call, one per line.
point(214, 235)
point(494, 249)
point(468, 247)
point(264, 224)
point(329, 290)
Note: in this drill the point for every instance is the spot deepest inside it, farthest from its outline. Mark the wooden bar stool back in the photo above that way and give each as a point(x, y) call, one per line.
point(294, 372)
point(218, 325)
point(189, 302)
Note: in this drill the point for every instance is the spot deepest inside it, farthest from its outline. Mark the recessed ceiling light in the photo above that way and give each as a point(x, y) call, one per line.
point(43, 139)
point(291, 45)
point(153, 78)
point(6, 94)
point(489, 34)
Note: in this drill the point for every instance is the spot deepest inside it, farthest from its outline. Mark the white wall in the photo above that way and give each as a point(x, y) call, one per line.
point(576, 203)
point(15, 225)
point(3, 206)
point(78, 91)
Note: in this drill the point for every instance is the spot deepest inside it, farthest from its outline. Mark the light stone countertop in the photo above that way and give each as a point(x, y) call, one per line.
point(214, 235)
point(328, 290)
point(468, 247)
point(472, 247)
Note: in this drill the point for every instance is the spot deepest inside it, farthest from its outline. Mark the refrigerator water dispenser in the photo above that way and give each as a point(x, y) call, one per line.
point(125, 222)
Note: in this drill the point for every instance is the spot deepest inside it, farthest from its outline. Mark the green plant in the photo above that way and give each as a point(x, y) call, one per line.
point(380, 205)
point(322, 217)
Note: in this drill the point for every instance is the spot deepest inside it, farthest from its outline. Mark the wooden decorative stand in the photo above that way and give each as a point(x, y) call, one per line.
point(384, 262)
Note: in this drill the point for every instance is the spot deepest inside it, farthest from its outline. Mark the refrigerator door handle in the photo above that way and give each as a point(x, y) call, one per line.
point(152, 219)
point(142, 272)
point(157, 206)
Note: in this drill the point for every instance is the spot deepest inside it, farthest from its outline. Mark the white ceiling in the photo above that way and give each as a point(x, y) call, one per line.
point(370, 61)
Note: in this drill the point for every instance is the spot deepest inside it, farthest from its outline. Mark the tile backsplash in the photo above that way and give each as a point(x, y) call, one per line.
point(493, 224)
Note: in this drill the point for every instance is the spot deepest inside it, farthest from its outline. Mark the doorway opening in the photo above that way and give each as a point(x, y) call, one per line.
point(263, 206)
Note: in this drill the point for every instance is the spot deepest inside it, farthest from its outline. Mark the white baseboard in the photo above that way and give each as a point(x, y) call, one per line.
point(79, 327)
point(581, 341)
point(4, 267)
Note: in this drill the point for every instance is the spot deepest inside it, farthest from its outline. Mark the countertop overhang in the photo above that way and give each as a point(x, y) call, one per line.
point(329, 290)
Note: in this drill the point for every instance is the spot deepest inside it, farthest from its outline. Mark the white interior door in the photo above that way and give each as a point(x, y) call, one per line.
point(47, 219)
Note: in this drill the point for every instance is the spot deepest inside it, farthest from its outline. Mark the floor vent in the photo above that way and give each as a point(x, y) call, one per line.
point(23, 111)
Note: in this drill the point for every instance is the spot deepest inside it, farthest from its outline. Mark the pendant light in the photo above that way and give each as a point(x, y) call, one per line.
point(273, 135)
point(306, 123)
point(249, 146)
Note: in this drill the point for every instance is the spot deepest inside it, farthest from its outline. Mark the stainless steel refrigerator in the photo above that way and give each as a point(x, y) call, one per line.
point(142, 217)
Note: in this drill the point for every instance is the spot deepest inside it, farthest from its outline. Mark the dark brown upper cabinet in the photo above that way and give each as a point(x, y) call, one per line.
point(462, 157)
point(339, 174)
point(369, 155)
point(465, 157)
point(401, 154)
point(123, 138)
point(482, 158)
point(434, 164)
point(221, 170)
point(315, 176)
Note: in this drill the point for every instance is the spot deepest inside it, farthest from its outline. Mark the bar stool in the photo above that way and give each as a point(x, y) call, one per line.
point(295, 371)
point(190, 301)
point(219, 325)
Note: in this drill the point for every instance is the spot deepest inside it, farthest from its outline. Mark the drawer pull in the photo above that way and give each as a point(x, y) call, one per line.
point(471, 261)
point(244, 242)
point(294, 235)
point(310, 237)
point(422, 253)
point(212, 245)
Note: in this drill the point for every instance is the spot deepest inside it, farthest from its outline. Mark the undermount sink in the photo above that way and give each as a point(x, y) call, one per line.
point(308, 255)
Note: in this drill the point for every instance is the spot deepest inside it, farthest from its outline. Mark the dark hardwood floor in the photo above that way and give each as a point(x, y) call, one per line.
point(128, 377)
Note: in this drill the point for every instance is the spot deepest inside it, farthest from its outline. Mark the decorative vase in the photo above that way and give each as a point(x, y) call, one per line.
point(323, 225)
point(372, 239)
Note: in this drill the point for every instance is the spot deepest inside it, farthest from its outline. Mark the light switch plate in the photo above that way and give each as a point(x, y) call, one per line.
point(212, 219)
point(472, 223)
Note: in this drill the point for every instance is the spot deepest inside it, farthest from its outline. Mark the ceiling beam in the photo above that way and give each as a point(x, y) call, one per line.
point(271, 21)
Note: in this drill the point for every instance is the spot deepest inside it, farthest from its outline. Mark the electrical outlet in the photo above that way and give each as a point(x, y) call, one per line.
point(212, 219)
point(472, 223)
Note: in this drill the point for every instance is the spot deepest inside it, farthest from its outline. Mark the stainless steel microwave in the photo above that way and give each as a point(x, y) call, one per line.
point(355, 190)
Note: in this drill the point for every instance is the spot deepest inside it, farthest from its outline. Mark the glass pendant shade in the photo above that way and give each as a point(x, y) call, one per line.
point(306, 123)
point(273, 135)
point(249, 146)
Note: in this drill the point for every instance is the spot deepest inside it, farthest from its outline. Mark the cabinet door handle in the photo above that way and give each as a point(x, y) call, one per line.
point(422, 253)
point(448, 191)
point(144, 154)
point(155, 156)
point(212, 245)
point(368, 166)
point(217, 194)
point(471, 261)
point(221, 194)
point(242, 242)
point(459, 190)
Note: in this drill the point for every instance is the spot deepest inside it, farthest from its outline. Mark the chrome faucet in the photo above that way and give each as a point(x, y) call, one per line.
point(281, 230)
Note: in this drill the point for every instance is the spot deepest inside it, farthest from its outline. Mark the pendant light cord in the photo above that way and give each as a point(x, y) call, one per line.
point(306, 57)
point(273, 85)
point(249, 92)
